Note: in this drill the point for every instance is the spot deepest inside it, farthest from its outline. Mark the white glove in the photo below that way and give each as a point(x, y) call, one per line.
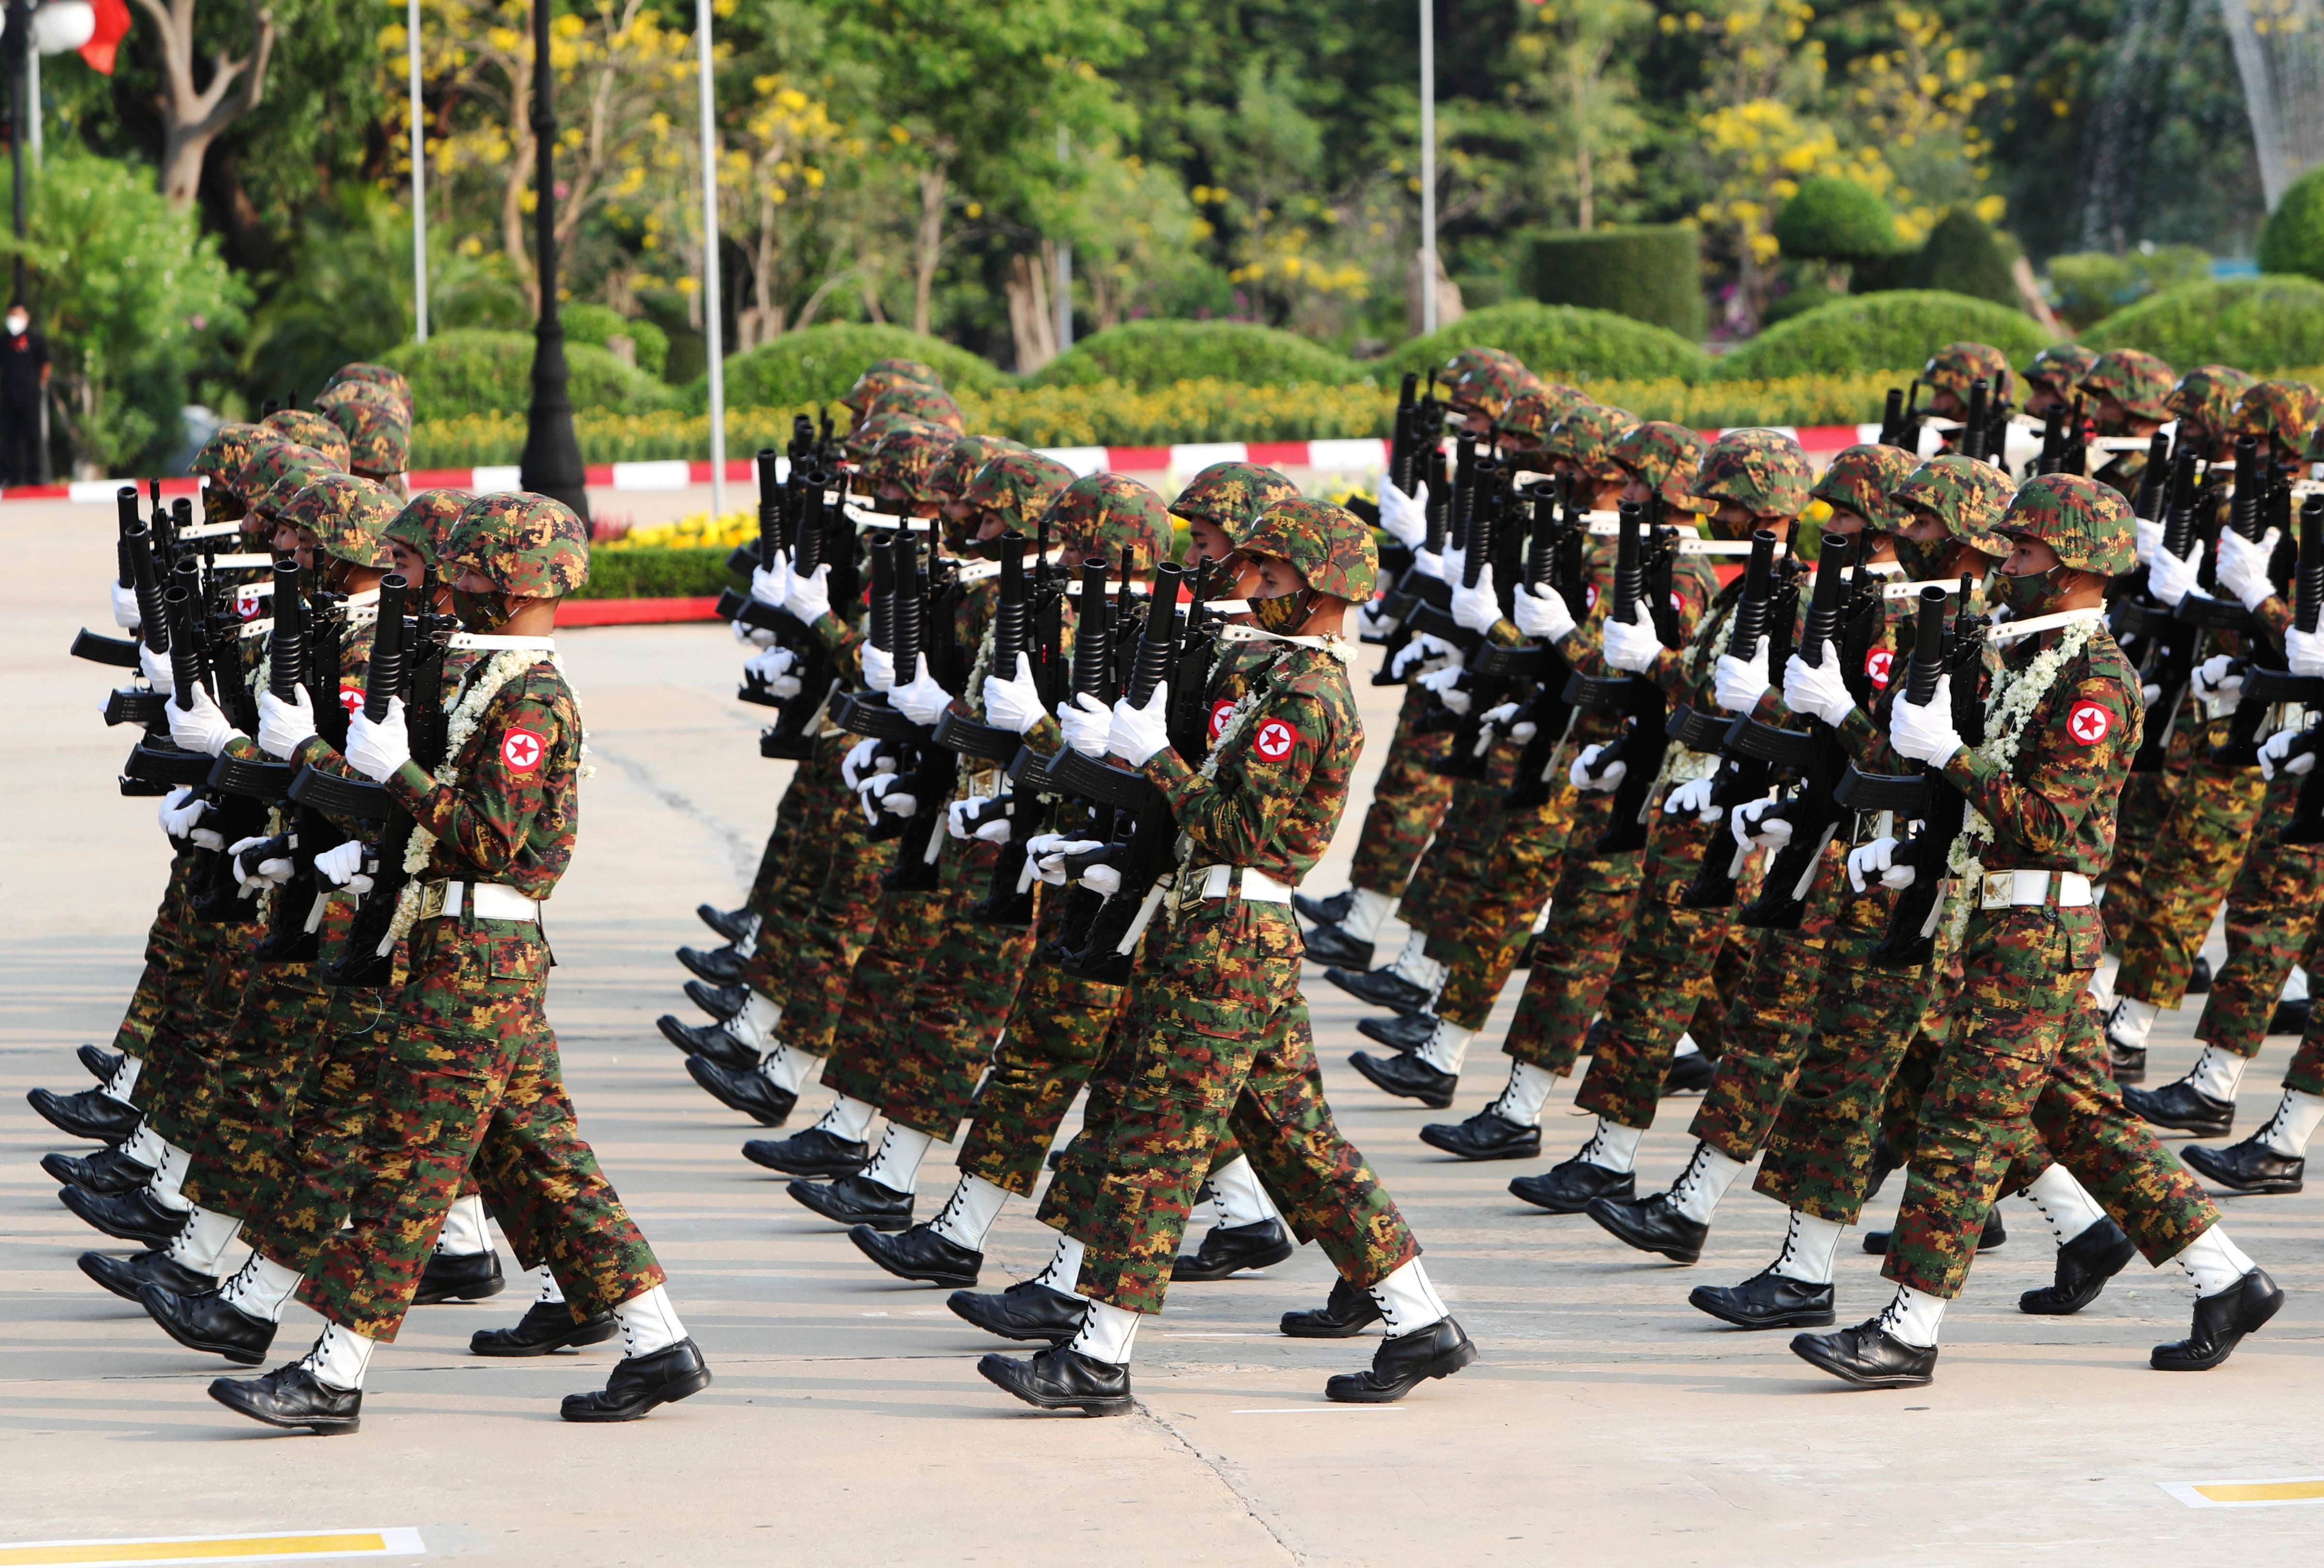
point(2170, 579)
point(156, 670)
point(266, 873)
point(922, 701)
point(339, 862)
point(773, 669)
point(2219, 688)
point(1425, 653)
point(861, 762)
point(181, 811)
point(1087, 721)
point(1051, 848)
point(808, 598)
point(124, 607)
point(1446, 684)
point(883, 792)
point(378, 749)
point(1456, 565)
point(282, 725)
point(994, 832)
point(1014, 704)
point(1501, 718)
point(1737, 684)
point(2275, 756)
point(1817, 688)
point(757, 637)
point(879, 667)
point(1137, 733)
point(1583, 777)
point(206, 838)
point(1428, 564)
point(1476, 608)
point(1404, 518)
point(771, 584)
point(1370, 625)
point(1878, 859)
point(2304, 650)
point(1103, 879)
point(1693, 796)
point(2243, 565)
point(1542, 616)
point(2150, 539)
point(1752, 828)
point(1926, 734)
point(1632, 645)
point(202, 727)
point(2149, 695)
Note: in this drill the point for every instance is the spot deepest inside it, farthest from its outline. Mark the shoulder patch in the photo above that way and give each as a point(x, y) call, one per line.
point(2089, 722)
point(1274, 738)
point(522, 750)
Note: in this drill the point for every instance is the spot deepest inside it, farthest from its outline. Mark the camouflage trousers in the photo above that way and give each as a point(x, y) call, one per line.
point(2193, 859)
point(2146, 800)
point(782, 857)
point(2027, 1050)
point(1224, 1039)
point(205, 967)
point(1055, 1034)
point(1460, 861)
point(817, 812)
point(825, 917)
point(2272, 911)
point(164, 950)
point(279, 1035)
point(906, 931)
point(1479, 941)
point(471, 1079)
point(1408, 802)
point(1590, 911)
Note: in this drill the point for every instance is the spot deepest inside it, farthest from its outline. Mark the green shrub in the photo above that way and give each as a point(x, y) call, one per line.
point(2293, 239)
point(648, 573)
point(1799, 302)
point(1559, 342)
point(1832, 219)
point(2091, 285)
point(475, 372)
point(596, 323)
point(1156, 354)
point(1650, 273)
point(1964, 256)
point(816, 366)
point(1875, 332)
point(2258, 324)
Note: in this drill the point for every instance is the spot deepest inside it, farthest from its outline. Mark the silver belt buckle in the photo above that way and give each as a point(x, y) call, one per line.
point(432, 900)
point(1993, 890)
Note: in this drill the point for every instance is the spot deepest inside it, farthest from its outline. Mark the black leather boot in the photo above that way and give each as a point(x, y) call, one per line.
point(206, 1321)
point(1382, 988)
point(1652, 1224)
point(918, 1253)
point(1230, 1248)
point(290, 1396)
point(1870, 1357)
point(1994, 1234)
point(546, 1326)
point(101, 1064)
point(1403, 1031)
point(720, 1001)
point(1328, 911)
point(2198, 977)
point(746, 1091)
point(2084, 1266)
point(1487, 1134)
point(2249, 1167)
point(1025, 1311)
point(1407, 1078)
point(2290, 1017)
point(711, 1042)
point(812, 1153)
point(1403, 1363)
point(735, 926)
point(125, 1276)
point(1331, 945)
point(1344, 1316)
point(133, 1216)
point(1689, 1074)
point(2127, 1064)
point(91, 1113)
point(2180, 1104)
point(639, 1383)
point(855, 1200)
point(1765, 1300)
point(107, 1173)
point(2221, 1322)
point(459, 1276)
point(1061, 1378)
point(718, 966)
point(1571, 1186)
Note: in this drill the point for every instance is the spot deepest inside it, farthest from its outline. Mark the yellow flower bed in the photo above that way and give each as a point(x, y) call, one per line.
point(694, 532)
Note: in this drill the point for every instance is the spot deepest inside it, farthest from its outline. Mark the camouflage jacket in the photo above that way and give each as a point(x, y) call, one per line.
point(513, 809)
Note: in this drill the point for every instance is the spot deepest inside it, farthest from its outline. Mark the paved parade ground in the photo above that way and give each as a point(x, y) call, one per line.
point(1606, 1423)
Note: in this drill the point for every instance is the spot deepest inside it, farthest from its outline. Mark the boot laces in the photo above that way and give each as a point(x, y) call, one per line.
point(1791, 1243)
point(2275, 1123)
point(1891, 1315)
point(1692, 1176)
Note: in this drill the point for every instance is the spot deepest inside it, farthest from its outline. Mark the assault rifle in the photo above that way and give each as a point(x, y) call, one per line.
point(2137, 618)
point(1556, 558)
point(1892, 420)
point(1096, 672)
point(2263, 690)
point(119, 652)
point(795, 511)
point(2307, 823)
point(2200, 614)
point(1420, 461)
point(306, 652)
point(1642, 571)
point(1764, 612)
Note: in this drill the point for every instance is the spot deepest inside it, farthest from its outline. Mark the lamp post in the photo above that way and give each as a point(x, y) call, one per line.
point(714, 300)
point(16, 48)
point(552, 464)
point(1428, 167)
point(418, 176)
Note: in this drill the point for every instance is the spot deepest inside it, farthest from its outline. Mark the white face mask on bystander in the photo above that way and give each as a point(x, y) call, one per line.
point(17, 322)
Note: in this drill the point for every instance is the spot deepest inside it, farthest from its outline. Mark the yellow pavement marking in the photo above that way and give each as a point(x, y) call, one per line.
point(211, 1549)
point(2232, 1494)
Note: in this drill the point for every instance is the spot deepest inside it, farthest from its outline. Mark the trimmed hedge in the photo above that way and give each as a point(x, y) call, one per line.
point(1836, 220)
point(1880, 332)
point(665, 573)
point(819, 365)
point(1650, 273)
point(473, 372)
point(596, 323)
point(1558, 342)
point(1147, 354)
point(1963, 255)
point(2259, 324)
point(2292, 238)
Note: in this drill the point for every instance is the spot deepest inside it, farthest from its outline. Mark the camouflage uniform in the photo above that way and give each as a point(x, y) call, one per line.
point(2271, 912)
point(379, 437)
point(933, 404)
point(2195, 857)
point(2141, 383)
point(1956, 366)
point(2058, 369)
point(310, 430)
point(879, 378)
point(375, 376)
point(2204, 404)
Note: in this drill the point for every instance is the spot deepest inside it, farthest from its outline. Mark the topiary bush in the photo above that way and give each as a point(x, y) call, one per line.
point(2258, 324)
point(1650, 273)
point(1832, 219)
point(2292, 238)
point(1875, 332)
point(596, 323)
point(1559, 342)
point(816, 366)
point(1156, 354)
point(1963, 255)
point(473, 372)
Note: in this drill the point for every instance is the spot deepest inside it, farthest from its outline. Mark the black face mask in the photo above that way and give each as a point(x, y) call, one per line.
point(1285, 613)
point(2026, 594)
point(483, 613)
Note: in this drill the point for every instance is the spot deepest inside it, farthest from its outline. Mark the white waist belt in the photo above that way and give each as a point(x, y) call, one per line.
point(2011, 889)
point(1257, 887)
point(489, 901)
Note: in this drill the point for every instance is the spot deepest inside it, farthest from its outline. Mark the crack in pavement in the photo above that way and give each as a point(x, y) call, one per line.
point(739, 849)
point(1249, 1504)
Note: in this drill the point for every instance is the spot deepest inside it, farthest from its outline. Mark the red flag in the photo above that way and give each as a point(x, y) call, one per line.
point(112, 27)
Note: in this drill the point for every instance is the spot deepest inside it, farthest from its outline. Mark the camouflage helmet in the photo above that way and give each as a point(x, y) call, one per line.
point(1663, 456)
point(1229, 494)
point(931, 404)
point(1489, 385)
point(2086, 523)
point(1955, 365)
point(226, 454)
point(2062, 366)
point(1328, 545)
point(358, 392)
point(1527, 423)
point(910, 369)
point(263, 479)
point(310, 430)
point(1964, 495)
point(1586, 437)
point(908, 456)
point(2282, 411)
point(959, 465)
point(426, 522)
point(1113, 516)
point(379, 437)
point(1863, 479)
point(2207, 394)
point(529, 546)
point(374, 375)
point(1017, 484)
point(1471, 359)
point(857, 400)
point(1764, 471)
point(864, 438)
point(2137, 380)
point(347, 516)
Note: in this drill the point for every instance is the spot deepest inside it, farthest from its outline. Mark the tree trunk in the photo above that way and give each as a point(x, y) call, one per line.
point(1449, 307)
point(191, 120)
point(927, 243)
point(1030, 322)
